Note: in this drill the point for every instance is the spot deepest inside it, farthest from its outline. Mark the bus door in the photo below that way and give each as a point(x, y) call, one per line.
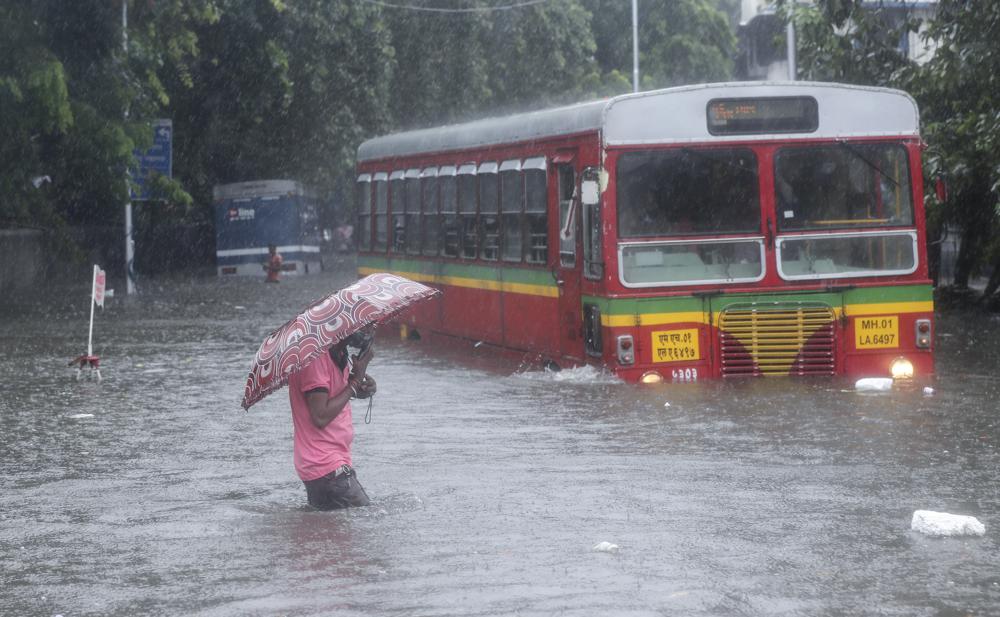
point(568, 267)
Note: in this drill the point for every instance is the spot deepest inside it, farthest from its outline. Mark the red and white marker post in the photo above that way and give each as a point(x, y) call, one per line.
point(89, 360)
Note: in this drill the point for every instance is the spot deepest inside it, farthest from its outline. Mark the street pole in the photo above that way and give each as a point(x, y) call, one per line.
point(129, 243)
point(635, 45)
point(790, 41)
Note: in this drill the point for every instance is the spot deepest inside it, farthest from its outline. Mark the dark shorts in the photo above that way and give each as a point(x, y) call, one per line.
point(338, 489)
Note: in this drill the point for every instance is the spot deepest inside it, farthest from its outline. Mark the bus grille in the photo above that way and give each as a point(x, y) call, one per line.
point(771, 340)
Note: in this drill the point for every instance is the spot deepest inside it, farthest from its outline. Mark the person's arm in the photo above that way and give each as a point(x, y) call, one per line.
point(323, 408)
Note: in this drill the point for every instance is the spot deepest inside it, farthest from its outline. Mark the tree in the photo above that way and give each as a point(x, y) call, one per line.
point(280, 91)
point(680, 42)
point(66, 84)
point(957, 90)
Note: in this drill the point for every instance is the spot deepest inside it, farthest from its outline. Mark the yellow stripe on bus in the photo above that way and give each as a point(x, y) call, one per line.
point(889, 308)
point(546, 291)
point(653, 319)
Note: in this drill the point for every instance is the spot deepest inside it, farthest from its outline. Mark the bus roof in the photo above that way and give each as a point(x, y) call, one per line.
point(672, 115)
point(258, 188)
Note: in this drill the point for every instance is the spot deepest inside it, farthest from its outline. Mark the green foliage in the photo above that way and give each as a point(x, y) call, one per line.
point(275, 89)
point(958, 91)
point(680, 42)
point(847, 41)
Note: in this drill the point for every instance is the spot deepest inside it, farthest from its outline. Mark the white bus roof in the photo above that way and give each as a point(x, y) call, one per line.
point(258, 188)
point(673, 115)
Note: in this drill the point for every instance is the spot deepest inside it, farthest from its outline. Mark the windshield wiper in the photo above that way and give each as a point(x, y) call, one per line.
point(847, 146)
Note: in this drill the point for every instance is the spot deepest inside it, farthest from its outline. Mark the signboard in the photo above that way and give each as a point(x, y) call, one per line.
point(876, 332)
point(158, 159)
point(789, 114)
point(676, 345)
point(100, 279)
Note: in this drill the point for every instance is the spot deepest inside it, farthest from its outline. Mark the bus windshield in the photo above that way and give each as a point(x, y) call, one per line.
point(687, 191)
point(842, 185)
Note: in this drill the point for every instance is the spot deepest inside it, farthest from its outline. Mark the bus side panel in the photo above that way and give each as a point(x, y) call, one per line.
point(472, 313)
point(531, 323)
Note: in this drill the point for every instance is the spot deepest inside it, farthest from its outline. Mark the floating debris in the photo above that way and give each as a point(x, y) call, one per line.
point(606, 547)
point(928, 391)
point(81, 416)
point(873, 384)
point(942, 524)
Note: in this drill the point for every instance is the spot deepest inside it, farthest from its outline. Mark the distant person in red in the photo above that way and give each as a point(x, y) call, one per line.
point(273, 265)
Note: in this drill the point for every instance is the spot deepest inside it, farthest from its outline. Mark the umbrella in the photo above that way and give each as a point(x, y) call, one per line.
point(371, 301)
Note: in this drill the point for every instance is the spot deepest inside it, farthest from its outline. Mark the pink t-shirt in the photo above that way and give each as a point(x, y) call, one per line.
point(318, 451)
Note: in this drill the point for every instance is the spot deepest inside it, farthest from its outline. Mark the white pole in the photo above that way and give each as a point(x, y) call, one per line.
point(635, 45)
point(790, 40)
point(129, 243)
point(90, 334)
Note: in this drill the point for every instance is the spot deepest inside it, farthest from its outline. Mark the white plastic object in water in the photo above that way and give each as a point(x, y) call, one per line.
point(942, 524)
point(606, 547)
point(873, 384)
point(928, 391)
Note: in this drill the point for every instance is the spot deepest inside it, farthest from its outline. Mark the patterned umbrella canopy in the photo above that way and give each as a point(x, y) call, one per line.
point(369, 302)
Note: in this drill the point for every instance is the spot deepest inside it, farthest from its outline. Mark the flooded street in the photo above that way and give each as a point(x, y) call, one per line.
point(154, 493)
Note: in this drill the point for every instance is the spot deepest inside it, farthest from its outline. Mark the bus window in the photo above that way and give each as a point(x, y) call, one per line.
point(381, 212)
point(691, 262)
point(489, 210)
point(567, 228)
point(449, 212)
point(536, 211)
point(467, 210)
point(364, 212)
point(412, 206)
point(865, 253)
point(431, 226)
point(511, 209)
point(842, 185)
point(687, 191)
point(397, 206)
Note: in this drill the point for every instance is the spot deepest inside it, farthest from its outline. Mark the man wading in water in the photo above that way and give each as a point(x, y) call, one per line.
point(321, 415)
point(273, 264)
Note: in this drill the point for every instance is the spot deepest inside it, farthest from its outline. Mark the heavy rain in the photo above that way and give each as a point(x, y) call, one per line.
point(152, 492)
point(735, 359)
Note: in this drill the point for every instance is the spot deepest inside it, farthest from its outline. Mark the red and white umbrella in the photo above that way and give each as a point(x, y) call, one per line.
point(371, 301)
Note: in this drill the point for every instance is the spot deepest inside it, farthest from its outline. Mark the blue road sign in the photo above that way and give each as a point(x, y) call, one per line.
point(158, 159)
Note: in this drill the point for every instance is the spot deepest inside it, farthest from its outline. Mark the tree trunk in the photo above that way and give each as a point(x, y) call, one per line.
point(967, 254)
point(994, 282)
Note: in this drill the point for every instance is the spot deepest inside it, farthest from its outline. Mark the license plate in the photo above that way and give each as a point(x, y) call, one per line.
point(876, 332)
point(676, 345)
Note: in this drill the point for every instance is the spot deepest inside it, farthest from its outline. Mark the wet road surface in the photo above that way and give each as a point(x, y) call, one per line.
point(490, 485)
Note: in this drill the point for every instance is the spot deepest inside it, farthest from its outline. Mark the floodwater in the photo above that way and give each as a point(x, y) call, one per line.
point(154, 493)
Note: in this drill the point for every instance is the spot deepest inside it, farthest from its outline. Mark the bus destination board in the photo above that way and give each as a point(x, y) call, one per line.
point(749, 116)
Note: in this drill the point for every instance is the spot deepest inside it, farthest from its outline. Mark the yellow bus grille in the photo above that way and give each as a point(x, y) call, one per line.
point(782, 340)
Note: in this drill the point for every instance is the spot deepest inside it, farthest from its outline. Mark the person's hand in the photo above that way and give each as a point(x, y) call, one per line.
point(360, 363)
point(367, 387)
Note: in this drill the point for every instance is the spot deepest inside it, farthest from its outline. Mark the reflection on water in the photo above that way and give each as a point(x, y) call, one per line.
point(490, 485)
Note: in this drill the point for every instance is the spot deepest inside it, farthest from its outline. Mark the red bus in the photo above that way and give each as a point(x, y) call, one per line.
point(723, 230)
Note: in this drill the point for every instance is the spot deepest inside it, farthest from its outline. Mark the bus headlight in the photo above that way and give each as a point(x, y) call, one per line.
point(901, 368)
point(651, 377)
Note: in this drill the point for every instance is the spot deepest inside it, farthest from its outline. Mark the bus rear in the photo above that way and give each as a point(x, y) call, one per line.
point(250, 216)
point(759, 230)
